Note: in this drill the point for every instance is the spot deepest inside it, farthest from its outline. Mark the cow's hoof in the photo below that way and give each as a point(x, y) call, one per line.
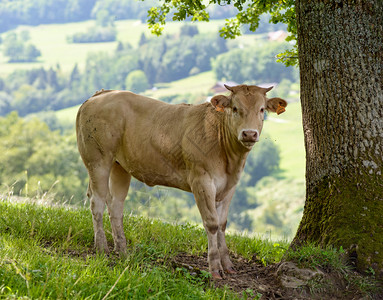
point(216, 276)
point(230, 271)
point(102, 248)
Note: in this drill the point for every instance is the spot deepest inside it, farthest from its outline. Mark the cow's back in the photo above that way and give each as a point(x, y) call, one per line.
point(144, 135)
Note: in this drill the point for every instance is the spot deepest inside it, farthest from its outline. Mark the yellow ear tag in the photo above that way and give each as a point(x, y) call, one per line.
point(219, 108)
point(280, 109)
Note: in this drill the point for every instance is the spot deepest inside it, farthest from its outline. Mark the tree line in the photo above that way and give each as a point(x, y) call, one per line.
point(34, 12)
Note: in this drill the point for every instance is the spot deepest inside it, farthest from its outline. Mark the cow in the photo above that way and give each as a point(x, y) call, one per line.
point(200, 149)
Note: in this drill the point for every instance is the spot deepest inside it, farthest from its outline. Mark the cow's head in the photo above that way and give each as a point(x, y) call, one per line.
point(245, 108)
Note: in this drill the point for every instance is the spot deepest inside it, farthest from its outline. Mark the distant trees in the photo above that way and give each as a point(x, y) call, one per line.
point(155, 60)
point(34, 160)
point(103, 31)
point(255, 63)
point(123, 9)
point(34, 12)
point(162, 59)
point(95, 34)
point(136, 81)
point(165, 59)
point(262, 161)
point(17, 48)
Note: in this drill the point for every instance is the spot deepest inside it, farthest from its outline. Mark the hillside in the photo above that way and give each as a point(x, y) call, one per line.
point(49, 254)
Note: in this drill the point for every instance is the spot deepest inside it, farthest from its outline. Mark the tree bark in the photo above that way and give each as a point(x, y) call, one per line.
point(341, 68)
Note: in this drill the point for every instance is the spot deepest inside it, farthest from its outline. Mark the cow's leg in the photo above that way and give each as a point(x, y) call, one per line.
point(223, 210)
point(99, 193)
point(119, 181)
point(204, 193)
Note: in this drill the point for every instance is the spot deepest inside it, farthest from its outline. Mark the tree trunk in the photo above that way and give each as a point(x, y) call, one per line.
point(341, 68)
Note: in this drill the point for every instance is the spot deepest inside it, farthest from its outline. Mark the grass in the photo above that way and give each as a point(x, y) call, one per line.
point(51, 41)
point(46, 252)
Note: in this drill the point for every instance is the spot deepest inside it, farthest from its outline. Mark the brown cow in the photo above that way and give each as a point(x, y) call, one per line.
point(197, 148)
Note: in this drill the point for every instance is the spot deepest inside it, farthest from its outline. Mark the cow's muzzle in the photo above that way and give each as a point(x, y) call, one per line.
point(249, 137)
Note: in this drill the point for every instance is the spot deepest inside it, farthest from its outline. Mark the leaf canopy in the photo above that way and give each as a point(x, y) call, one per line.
point(248, 13)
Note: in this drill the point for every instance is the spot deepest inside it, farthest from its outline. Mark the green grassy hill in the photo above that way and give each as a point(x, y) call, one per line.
point(47, 252)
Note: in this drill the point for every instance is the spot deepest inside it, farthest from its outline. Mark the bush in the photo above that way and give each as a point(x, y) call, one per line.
point(33, 158)
point(189, 30)
point(253, 64)
point(18, 50)
point(136, 82)
point(95, 34)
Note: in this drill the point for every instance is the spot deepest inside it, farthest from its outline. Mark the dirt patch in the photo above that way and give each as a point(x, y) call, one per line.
point(253, 280)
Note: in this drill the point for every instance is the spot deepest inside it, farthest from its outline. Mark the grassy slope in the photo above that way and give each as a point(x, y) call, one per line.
point(51, 40)
point(49, 255)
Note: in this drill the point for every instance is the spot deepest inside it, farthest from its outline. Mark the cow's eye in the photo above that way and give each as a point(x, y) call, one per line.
point(262, 110)
point(235, 110)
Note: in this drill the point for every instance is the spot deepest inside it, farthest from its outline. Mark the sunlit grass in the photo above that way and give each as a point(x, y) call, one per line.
point(47, 252)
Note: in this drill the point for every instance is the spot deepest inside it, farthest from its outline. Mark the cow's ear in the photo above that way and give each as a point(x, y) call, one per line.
point(220, 102)
point(276, 105)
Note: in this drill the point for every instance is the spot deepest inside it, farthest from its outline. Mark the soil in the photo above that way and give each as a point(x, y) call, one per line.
point(253, 280)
